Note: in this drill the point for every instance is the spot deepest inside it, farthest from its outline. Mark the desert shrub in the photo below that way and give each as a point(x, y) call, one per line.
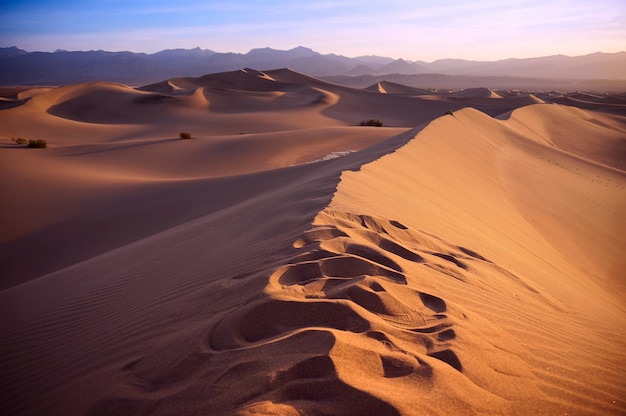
point(19, 140)
point(185, 135)
point(40, 144)
point(372, 122)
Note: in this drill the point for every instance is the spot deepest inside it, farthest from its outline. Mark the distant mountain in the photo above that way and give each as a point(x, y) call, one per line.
point(445, 65)
point(361, 69)
point(183, 54)
point(19, 67)
point(400, 66)
point(374, 61)
point(269, 53)
point(594, 66)
point(11, 52)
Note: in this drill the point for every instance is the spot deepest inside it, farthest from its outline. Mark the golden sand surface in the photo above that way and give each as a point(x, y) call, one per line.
point(286, 260)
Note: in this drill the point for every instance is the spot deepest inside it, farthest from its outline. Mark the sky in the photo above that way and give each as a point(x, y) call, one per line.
point(409, 29)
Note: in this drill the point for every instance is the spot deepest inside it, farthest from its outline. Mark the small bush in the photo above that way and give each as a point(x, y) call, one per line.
point(39, 144)
point(372, 122)
point(19, 140)
point(185, 135)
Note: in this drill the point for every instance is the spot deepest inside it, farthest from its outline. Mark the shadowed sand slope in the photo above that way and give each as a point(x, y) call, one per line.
point(173, 285)
point(386, 87)
point(471, 265)
point(475, 93)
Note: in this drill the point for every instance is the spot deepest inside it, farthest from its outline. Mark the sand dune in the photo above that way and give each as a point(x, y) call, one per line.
point(475, 93)
point(599, 138)
point(448, 264)
point(387, 87)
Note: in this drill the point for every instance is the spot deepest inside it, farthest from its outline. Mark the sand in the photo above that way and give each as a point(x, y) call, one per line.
point(286, 260)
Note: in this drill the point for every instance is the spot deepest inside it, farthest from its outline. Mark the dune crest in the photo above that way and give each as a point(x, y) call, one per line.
point(386, 87)
point(465, 174)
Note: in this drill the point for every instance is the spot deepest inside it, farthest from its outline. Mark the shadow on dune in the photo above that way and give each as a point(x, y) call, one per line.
point(115, 271)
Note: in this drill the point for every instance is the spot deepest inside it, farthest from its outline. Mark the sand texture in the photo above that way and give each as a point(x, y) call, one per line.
point(288, 261)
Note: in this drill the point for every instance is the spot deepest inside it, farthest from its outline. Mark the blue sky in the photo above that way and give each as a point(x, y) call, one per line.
point(410, 29)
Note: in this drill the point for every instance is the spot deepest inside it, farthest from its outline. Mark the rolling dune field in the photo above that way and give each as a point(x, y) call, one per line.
point(286, 260)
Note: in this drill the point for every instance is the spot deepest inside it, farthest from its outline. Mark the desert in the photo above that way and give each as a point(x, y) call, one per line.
point(467, 257)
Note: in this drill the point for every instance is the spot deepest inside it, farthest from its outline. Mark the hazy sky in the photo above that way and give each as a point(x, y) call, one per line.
point(410, 29)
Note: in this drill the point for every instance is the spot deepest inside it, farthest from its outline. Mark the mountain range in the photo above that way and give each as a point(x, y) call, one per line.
point(19, 67)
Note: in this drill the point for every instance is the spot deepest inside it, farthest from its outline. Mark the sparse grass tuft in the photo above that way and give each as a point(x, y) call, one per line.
point(37, 144)
point(19, 140)
point(185, 135)
point(372, 122)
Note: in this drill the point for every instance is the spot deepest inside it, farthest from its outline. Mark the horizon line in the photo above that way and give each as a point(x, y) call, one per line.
point(304, 47)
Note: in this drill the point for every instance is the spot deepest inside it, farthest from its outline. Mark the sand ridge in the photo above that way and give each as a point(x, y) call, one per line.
point(469, 265)
point(417, 323)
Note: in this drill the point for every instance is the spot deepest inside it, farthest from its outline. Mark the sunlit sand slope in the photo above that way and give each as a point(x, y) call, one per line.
point(432, 284)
